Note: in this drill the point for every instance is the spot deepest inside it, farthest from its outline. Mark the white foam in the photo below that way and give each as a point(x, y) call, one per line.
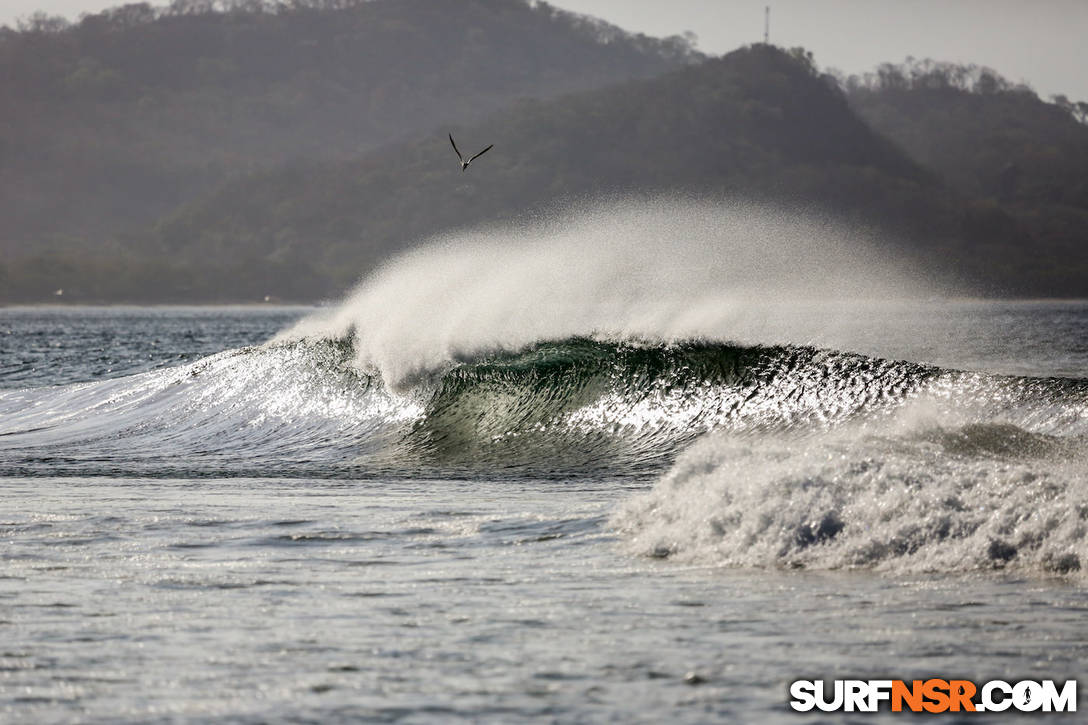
point(901, 496)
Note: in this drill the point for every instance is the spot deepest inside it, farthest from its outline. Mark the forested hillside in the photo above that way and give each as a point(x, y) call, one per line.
point(110, 122)
point(759, 123)
point(1002, 146)
point(205, 154)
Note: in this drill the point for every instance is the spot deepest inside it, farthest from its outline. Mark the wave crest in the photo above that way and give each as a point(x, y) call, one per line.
point(659, 270)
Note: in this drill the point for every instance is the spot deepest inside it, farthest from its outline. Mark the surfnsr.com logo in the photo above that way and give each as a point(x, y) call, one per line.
point(933, 695)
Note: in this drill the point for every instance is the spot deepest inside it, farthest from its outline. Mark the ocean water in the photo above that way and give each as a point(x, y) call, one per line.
point(470, 498)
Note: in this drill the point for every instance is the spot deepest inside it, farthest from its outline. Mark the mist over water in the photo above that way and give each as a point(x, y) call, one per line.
point(654, 270)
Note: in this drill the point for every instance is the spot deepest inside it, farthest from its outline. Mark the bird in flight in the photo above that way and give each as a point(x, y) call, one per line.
point(464, 164)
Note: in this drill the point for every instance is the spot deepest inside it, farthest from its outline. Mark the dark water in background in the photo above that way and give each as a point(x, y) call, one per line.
point(196, 526)
point(42, 346)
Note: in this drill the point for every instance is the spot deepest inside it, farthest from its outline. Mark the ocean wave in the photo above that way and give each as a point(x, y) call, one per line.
point(767, 456)
point(915, 494)
point(618, 407)
point(628, 407)
point(659, 270)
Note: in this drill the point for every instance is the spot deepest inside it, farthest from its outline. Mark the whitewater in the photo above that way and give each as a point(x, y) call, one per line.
point(624, 461)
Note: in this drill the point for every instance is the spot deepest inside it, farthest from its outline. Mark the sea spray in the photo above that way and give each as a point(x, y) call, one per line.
point(657, 270)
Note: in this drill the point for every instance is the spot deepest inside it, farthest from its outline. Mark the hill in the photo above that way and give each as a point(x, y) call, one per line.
point(1000, 145)
point(909, 157)
point(113, 121)
point(758, 123)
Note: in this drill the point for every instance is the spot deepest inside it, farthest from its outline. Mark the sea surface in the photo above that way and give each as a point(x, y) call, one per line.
point(221, 515)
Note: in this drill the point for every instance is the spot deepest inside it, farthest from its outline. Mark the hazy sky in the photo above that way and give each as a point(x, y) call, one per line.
point(1042, 42)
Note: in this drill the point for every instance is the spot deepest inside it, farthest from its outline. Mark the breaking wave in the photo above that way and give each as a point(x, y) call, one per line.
point(577, 405)
point(927, 497)
point(676, 343)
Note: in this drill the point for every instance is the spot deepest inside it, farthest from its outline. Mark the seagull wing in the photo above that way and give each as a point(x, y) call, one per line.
point(481, 153)
point(455, 148)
